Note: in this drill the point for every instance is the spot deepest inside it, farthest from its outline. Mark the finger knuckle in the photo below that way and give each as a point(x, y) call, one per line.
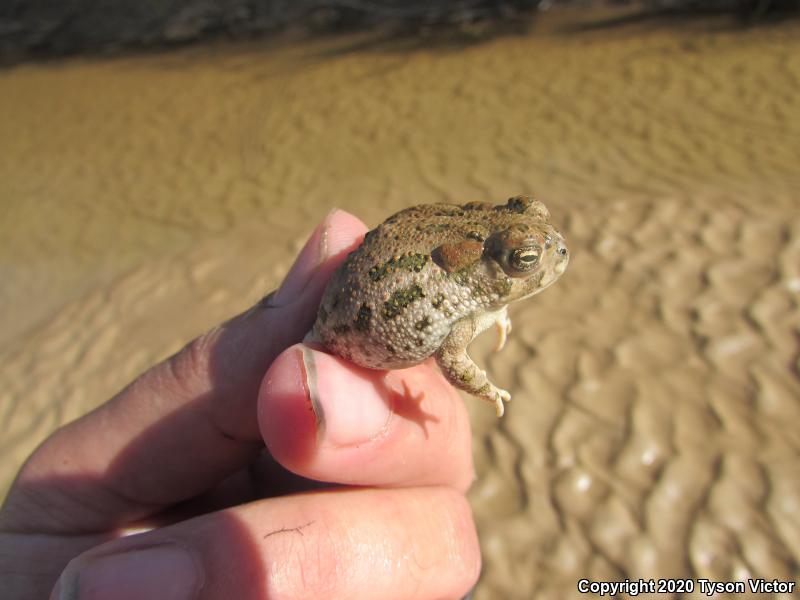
point(310, 565)
point(192, 363)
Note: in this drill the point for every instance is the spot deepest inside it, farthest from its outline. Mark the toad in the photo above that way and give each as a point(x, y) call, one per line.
point(432, 277)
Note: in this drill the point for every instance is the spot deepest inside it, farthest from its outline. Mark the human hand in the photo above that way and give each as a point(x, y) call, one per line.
point(180, 454)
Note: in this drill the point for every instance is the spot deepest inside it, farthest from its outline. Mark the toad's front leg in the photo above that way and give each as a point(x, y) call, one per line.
point(462, 372)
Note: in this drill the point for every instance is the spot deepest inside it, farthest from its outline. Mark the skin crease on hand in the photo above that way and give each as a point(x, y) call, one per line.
point(179, 456)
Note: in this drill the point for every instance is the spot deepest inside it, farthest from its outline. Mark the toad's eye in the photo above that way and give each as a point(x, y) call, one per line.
point(524, 259)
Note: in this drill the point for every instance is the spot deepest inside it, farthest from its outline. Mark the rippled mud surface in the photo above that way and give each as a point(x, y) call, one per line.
point(653, 431)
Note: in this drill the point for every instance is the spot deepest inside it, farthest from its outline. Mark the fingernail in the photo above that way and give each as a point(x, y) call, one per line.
point(167, 572)
point(315, 251)
point(348, 406)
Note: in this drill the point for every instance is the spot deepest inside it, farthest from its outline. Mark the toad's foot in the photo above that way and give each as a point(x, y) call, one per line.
point(496, 396)
point(462, 372)
point(503, 326)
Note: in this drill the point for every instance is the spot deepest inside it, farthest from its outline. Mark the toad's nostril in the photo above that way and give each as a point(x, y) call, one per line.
point(562, 251)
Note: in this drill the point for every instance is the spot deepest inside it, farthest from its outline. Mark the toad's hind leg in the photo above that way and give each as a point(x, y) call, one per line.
point(462, 372)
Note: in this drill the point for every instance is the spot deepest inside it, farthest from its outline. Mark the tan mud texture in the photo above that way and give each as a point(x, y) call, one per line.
point(654, 430)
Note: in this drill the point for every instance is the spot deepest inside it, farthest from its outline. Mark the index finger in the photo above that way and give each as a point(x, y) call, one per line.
point(182, 426)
